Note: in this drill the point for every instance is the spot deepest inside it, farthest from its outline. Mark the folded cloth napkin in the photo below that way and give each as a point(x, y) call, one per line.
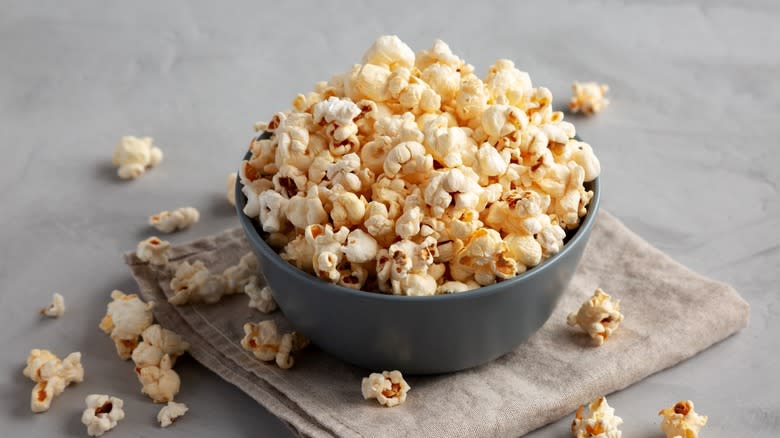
point(670, 313)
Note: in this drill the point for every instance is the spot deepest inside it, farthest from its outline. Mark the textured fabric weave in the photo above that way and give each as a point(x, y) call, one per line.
point(671, 313)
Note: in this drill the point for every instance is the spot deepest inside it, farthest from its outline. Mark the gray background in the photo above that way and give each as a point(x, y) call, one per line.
point(689, 150)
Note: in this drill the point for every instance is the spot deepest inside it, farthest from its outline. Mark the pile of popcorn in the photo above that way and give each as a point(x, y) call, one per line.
point(411, 175)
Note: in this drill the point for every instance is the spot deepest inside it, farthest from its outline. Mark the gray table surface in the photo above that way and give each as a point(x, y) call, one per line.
point(689, 150)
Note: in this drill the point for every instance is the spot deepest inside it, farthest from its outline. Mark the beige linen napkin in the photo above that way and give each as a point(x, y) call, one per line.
point(670, 312)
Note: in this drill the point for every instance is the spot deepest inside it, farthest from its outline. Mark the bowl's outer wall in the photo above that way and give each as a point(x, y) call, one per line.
point(417, 335)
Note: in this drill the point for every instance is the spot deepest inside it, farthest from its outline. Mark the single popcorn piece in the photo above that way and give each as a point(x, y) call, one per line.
point(588, 97)
point(179, 219)
point(51, 375)
point(134, 155)
point(194, 283)
point(260, 298)
point(102, 414)
point(231, 188)
point(682, 421)
point(126, 318)
point(267, 344)
point(599, 316)
point(237, 277)
point(170, 413)
point(153, 251)
point(56, 308)
point(601, 421)
point(156, 343)
point(389, 388)
point(160, 382)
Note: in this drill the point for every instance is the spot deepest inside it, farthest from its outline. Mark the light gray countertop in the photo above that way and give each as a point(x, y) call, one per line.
point(689, 151)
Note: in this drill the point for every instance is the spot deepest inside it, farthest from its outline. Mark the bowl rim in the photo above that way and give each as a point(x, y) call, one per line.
point(249, 226)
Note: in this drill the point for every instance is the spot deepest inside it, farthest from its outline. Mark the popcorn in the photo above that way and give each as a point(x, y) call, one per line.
point(389, 51)
point(389, 388)
point(588, 97)
point(360, 247)
point(160, 382)
point(230, 191)
point(507, 85)
point(134, 155)
point(126, 318)
point(179, 219)
point(260, 298)
point(194, 283)
point(237, 277)
point(682, 421)
point(102, 414)
point(599, 316)
point(51, 375)
point(153, 250)
point(267, 344)
point(158, 342)
point(484, 257)
point(404, 153)
point(601, 421)
point(408, 160)
point(170, 413)
point(56, 308)
point(301, 211)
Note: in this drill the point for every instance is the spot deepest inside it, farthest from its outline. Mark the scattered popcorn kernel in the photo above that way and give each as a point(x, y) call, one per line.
point(134, 155)
point(51, 375)
point(231, 188)
point(56, 308)
point(599, 316)
point(160, 382)
point(156, 343)
point(102, 414)
point(194, 283)
point(682, 421)
point(240, 275)
point(170, 221)
point(588, 97)
point(260, 298)
point(267, 344)
point(170, 413)
point(601, 421)
point(153, 250)
point(126, 318)
point(401, 148)
point(388, 388)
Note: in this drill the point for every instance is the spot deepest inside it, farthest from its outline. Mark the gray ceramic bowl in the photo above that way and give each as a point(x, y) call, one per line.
point(419, 335)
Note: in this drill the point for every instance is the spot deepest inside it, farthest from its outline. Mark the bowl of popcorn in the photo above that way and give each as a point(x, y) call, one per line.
point(409, 215)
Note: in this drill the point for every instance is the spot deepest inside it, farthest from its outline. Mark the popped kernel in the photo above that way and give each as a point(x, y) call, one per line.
point(260, 298)
point(388, 388)
point(600, 422)
point(681, 420)
point(267, 344)
point(134, 155)
point(127, 316)
point(153, 251)
point(599, 316)
point(179, 219)
point(56, 308)
point(102, 414)
point(51, 376)
point(230, 191)
point(588, 97)
point(170, 413)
